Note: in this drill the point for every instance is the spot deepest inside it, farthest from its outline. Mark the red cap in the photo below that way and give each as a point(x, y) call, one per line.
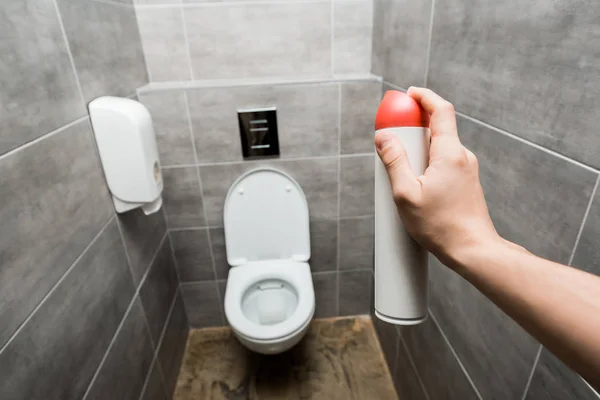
point(398, 109)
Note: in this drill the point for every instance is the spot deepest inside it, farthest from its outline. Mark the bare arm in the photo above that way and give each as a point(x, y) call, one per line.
point(445, 211)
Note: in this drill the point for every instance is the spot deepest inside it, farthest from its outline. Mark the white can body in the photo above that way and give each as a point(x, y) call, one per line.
point(401, 270)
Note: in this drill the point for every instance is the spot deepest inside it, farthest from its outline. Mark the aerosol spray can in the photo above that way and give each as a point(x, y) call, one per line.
point(401, 271)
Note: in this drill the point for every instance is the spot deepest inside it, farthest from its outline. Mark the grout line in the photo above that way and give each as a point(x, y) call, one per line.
point(187, 44)
point(129, 263)
point(110, 346)
point(530, 378)
point(394, 86)
point(339, 194)
point(174, 258)
point(144, 51)
point(115, 3)
point(228, 3)
point(456, 356)
point(413, 365)
point(195, 228)
point(428, 55)
point(43, 137)
point(585, 216)
point(69, 53)
point(60, 280)
point(331, 34)
point(525, 141)
point(147, 380)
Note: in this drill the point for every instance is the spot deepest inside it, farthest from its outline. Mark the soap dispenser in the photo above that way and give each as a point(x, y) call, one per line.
point(127, 146)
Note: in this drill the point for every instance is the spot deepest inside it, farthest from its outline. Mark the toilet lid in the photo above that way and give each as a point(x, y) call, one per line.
point(266, 218)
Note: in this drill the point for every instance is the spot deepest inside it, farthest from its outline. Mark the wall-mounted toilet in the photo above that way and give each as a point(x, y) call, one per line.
point(269, 299)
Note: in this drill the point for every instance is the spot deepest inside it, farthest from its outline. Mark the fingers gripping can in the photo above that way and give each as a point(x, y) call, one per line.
point(401, 270)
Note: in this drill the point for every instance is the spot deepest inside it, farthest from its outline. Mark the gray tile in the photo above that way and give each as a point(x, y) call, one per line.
point(171, 126)
point(234, 41)
point(222, 286)
point(172, 347)
point(587, 254)
point(146, 2)
point(217, 239)
point(192, 254)
point(36, 79)
point(552, 380)
point(158, 290)
point(202, 304)
point(535, 75)
point(357, 181)
point(317, 177)
point(128, 361)
point(106, 47)
point(356, 292)
point(436, 365)
point(356, 243)
point(325, 285)
point(155, 387)
point(400, 44)
point(405, 377)
point(496, 352)
point(352, 32)
point(306, 119)
point(183, 203)
point(526, 190)
point(142, 235)
point(359, 106)
point(53, 194)
point(163, 40)
point(388, 339)
point(323, 246)
point(61, 346)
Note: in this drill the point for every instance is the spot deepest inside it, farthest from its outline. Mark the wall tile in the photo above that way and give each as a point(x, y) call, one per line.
point(306, 119)
point(62, 344)
point(400, 44)
point(57, 181)
point(436, 365)
point(238, 40)
point(124, 371)
point(405, 377)
point(163, 40)
point(217, 239)
point(202, 304)
point(388, 339)
point(158, 290)
point(142, 235)
point(155, 388)
point(183, 203)
point(356, 243)
point(146, 2)
point(352, 32)
point(497, 353)
point(534, 74)
point(317, 177)
point(355, 292)
point(554, 380)
point(526, 190)
point(171, 126)
point(192, 254)
point(106, 47)
point(587, 254)
point(172, 347)
point(323, 246)
point(325, 285)
point(359, 106)
point(357, 191)
point(35, 74)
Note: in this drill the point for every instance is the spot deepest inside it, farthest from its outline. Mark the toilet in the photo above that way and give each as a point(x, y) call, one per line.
point(269, 298)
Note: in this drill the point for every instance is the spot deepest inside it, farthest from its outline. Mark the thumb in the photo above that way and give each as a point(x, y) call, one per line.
point(405, 186)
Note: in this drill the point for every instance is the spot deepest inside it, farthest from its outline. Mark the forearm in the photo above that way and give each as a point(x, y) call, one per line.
point(558, 305)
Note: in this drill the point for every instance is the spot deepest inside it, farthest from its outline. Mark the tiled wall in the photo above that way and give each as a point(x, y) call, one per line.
point(202, 39)
point(325, 136)
point(88, 300)
point(526, 87)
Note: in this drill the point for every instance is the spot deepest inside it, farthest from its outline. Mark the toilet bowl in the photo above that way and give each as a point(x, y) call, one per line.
point(269, 298)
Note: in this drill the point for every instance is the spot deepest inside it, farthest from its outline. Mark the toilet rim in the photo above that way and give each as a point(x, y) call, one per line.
point(301, 283)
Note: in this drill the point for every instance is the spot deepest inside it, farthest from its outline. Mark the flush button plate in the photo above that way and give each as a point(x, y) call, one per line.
point(258, 132)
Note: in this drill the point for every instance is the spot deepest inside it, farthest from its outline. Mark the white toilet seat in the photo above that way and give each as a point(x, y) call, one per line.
point(241, 278)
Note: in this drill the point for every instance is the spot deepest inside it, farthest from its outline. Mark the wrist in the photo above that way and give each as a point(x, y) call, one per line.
point(466, 259)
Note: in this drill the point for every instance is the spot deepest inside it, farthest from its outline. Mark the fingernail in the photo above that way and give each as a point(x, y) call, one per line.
point(383, 140)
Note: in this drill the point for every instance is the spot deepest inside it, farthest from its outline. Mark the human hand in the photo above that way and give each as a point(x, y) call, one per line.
point(444, 209)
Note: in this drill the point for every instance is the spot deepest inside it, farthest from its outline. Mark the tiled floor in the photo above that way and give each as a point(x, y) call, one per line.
point(339, 358)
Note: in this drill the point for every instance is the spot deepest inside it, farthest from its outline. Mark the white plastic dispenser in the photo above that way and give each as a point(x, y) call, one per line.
point(127, 146)
point(401, 274)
